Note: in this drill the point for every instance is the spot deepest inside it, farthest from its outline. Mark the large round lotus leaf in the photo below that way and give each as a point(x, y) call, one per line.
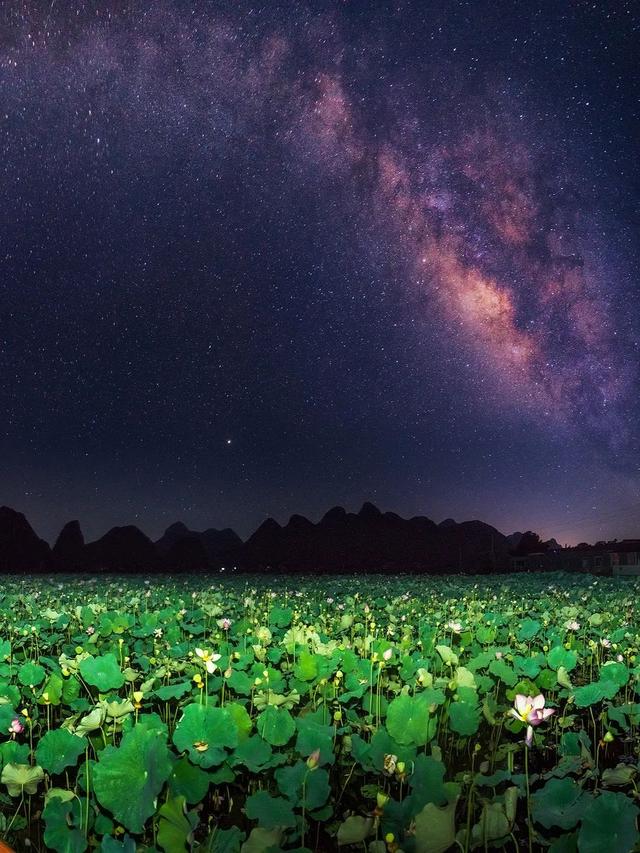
point(561, 802)
point(448, 655)
point(204, 733)
point(281, 617)
point(354, 830)
point(173, 691)
point(435, 829)
point(464, 718)
point(594, 692)
point(276, 725)
point(241, 719)
point(269, 811)
point(408, 720)
point(306, 668)
point(188, 781)
point(63, 831)
point(559, 656)
point(102, 672)
point(175, 826)
point(240, 682)
point(261, 840)
point(616, 672)
point(503, 671)
point(112, 845)
point(314, 736)
point(426, 783)
point(31, 674)
point(291, 779)
point(127, 779)
point(609, 824)
point(567, 843)
point(529, 629)
point(254, 752)
point(58, 749)
point(21, 778)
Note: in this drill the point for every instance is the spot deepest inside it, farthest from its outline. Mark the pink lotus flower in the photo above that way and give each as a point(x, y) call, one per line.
point(16, 727)
point(530, 710)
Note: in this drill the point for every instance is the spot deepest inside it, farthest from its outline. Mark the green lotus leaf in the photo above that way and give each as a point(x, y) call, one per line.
point(426, 783)
point(31, 674)
point(53, 690)
point(567, 843)
point(102, 672)
point(609, 824)
point(112, 845)
point(276, 725)
point(546, 680)
point(306, 668)
point(281, 617)
point(255, 753)
point(622, 774)
point(240, 682)
point(616, 672)
point(12, 752)
point(241, 718)
point(205, 734)
point(290, 781)
point(314, 736)
point(527, 666)
point(262, 840)
point(354, 829)
point(21, 778)
point(173, 691)
point(269, 811)
point(91, 721)
point(435, 828)
point(493, 825)
point(529, 629)
point(127, 779)
point(563, 678)
point(561, 802)
point(188, 780)
point(559, 656)
point(485, 635)
point(175, 826)
point(448, 655)
point(595, 692)
point(504, 672)
point(225, 840)
point(63, 826)
point(464, 718)
point(409, 721)
point(58, 748)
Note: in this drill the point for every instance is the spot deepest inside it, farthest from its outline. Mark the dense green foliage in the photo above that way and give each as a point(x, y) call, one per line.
point(278, 714)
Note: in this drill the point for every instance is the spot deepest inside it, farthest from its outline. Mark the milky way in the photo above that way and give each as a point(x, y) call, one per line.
point(260, 260)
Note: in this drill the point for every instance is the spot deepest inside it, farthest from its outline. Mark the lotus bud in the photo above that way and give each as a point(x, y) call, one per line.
point(381, 800)
point(313, 760)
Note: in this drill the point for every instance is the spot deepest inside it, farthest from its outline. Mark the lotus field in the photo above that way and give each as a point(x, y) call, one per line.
point(372, 713)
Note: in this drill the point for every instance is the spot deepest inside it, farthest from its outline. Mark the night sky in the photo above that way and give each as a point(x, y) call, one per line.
point(264, 259)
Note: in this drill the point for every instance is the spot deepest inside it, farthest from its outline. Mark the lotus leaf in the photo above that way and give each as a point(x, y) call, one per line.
point(128, 778)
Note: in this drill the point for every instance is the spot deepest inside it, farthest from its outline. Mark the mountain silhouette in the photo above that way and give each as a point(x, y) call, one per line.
point(216, 547)
point(121, 549)
point(21, 550)
point(69, 547)
point(366, 541)
point(373, 541)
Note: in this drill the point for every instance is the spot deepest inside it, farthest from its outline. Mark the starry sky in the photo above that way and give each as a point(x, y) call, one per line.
point(258, 259)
